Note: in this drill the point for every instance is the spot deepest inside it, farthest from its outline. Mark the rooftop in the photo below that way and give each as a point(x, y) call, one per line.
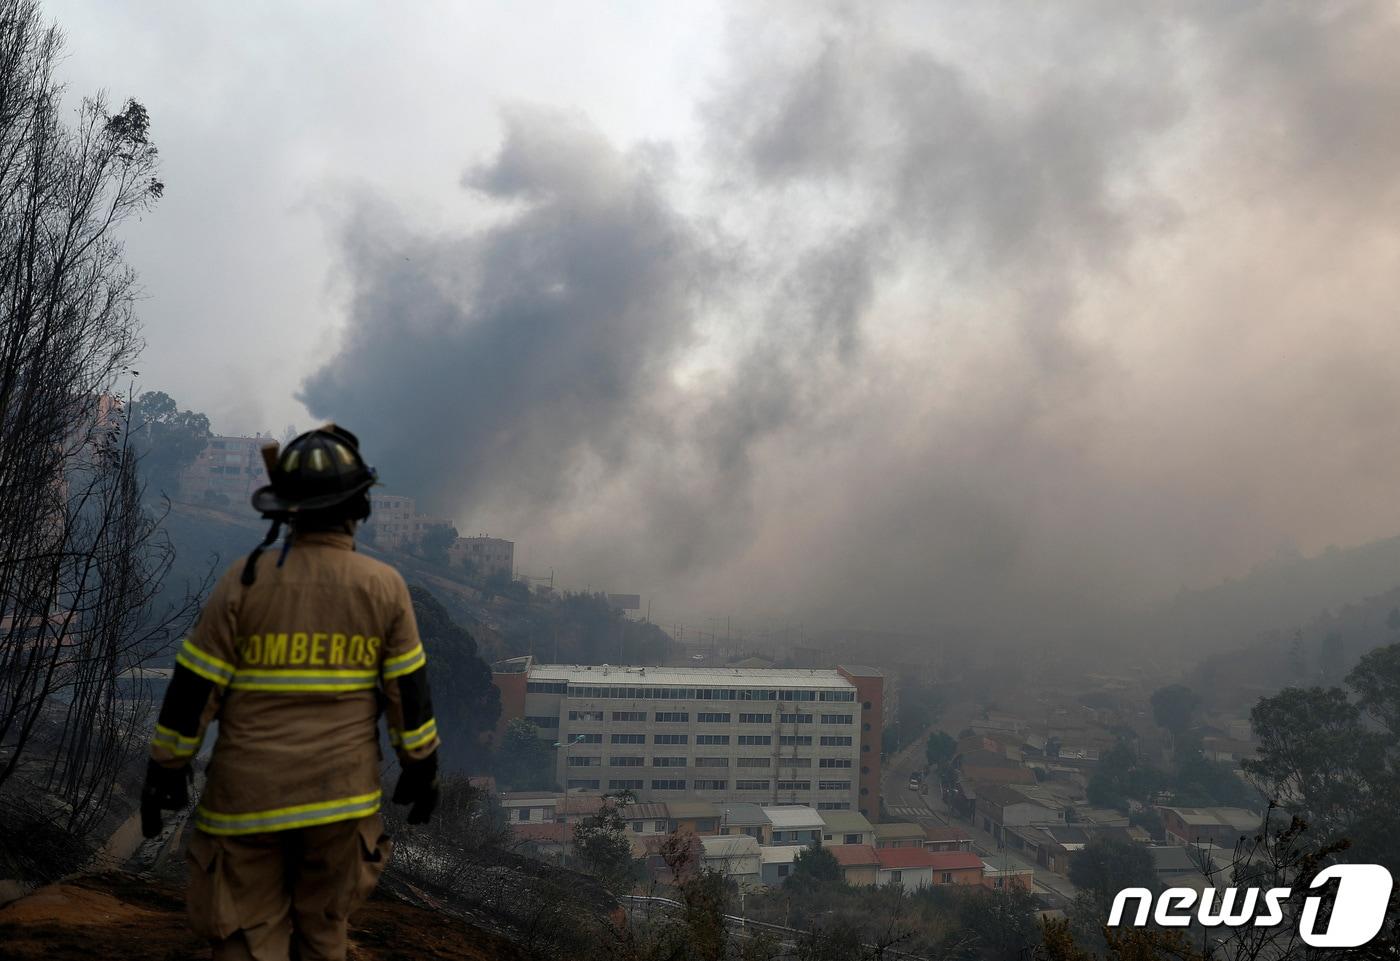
point(1235, 818)
point(861, 670)
point(897, 829)
point(742, 813)
point(845, 822)
point(731, 846)
point(644, 811)
point(950, 860)
point(947, 832)
point(898, 858)
point(792, 817)
point(780, 853)
point(701, 676)
point(685, 810)
point(853, 855)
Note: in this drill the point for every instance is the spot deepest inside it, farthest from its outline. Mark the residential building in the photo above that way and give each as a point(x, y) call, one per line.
point(939, 838)
point(777, 862)
point(1052, 846)
point(1218, 825)
point(1000, 807)
point(537, 807)
point(870, 694)
point(737, 858)
point(765, 736)
point(646, 818)
point(846, 827)
point(487, 555)
point(859, 864)
point(743, 817)
point(956, 867)
point(910, 867)
point(794, 824)
point(997, 876)
point(395, 523)
point(226, 472)
point(696, 817)
point(898, 834)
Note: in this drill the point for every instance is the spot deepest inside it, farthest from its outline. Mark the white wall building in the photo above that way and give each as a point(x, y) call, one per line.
point(721, 734)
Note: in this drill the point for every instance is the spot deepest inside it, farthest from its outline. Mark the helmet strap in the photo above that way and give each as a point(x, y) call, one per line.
point(250, 567)
point(286, 546)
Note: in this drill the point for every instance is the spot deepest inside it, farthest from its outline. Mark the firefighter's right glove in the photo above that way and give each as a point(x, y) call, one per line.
point(418, 786)
point(164, 791)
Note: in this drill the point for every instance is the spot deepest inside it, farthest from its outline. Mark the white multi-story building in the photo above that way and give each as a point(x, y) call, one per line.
point(760, 735)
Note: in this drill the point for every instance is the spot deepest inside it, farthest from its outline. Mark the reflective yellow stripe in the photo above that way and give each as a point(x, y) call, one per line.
point(175, 742)
point(288, 818)
point(301, 682)
point(205, 665)
point(405, 663)
point(416, 737)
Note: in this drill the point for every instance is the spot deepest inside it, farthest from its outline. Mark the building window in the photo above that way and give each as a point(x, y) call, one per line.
point(996, 882)
point(795, 740)
point(837, 719)
point(629, 715)
point(587, 739)
point(837, 696)
point(833, 785)
point(712, 739)
point(583, 783)
point(795, 762)
point(712, 762)
point(577, 761)
point(543, 722)
point(710, 718)
point(794, 785)
point(585, 715)
point(834, 806)
point(755, 739)
point(947, 877)
point(866, 706)
point(865, 769)
point(836, 740)
point(835, 762)
point(668, 762)
point(673, 717)
point(866, 725)
point(628, 738)
point(626, 785)
point(754, 762)
point(751, 785)
point(661, 826)
point(523, 814)
point(626, 761)
point(896, 877)
point(668, 785)
point(546, 687)
point(851, 839)
point(703, 785)
point(755, 719)
point(671, 739)
point(796, 718)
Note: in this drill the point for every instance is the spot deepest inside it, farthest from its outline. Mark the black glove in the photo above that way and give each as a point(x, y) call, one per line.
point(164, 791)
point(418, 786)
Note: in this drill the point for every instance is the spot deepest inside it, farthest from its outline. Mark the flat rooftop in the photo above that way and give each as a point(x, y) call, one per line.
point(602, 674)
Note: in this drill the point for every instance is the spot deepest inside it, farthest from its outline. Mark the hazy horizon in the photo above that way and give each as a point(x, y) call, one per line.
point(1015, 317)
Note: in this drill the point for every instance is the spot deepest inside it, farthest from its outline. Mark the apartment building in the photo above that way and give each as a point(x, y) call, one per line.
point(394, 522)
point(765, 736)
point(226, 472)
point(488, 555)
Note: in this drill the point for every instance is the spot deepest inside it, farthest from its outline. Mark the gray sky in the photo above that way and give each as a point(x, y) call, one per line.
point(984, 317)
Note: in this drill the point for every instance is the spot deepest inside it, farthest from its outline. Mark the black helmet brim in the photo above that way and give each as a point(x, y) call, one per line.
point(269, 503)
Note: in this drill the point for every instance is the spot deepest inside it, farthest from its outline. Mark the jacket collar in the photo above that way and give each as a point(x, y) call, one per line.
point(335, 539)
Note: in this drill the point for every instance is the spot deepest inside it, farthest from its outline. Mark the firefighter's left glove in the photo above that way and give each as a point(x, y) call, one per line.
point(418, 786)
point(165, 790)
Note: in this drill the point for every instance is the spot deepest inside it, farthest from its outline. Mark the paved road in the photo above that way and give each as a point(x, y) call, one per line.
point(902, 803)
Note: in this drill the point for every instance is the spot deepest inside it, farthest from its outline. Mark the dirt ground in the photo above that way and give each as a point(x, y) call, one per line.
point(123, 917)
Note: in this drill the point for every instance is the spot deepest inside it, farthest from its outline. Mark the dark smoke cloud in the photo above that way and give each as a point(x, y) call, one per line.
point(980, 335)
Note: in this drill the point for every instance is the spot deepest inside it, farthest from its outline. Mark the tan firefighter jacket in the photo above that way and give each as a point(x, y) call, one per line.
point(295, 668)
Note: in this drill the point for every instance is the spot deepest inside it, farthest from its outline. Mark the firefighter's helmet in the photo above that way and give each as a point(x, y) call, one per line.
point(316, 471)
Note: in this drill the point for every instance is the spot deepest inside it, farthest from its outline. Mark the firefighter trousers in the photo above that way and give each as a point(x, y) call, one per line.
point(257, 897)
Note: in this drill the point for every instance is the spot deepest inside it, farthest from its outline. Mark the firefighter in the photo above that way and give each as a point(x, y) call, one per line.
point(295, 654)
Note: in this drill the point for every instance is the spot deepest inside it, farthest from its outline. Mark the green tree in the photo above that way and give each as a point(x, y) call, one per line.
point(603, 849)
point(434, 543)
point(940, 749)
point(1121, 776)
point(166, 438)
point(468, 704)
point(814, 867)
point(1173, 707)
point(524, 761)
point(1108, 864)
